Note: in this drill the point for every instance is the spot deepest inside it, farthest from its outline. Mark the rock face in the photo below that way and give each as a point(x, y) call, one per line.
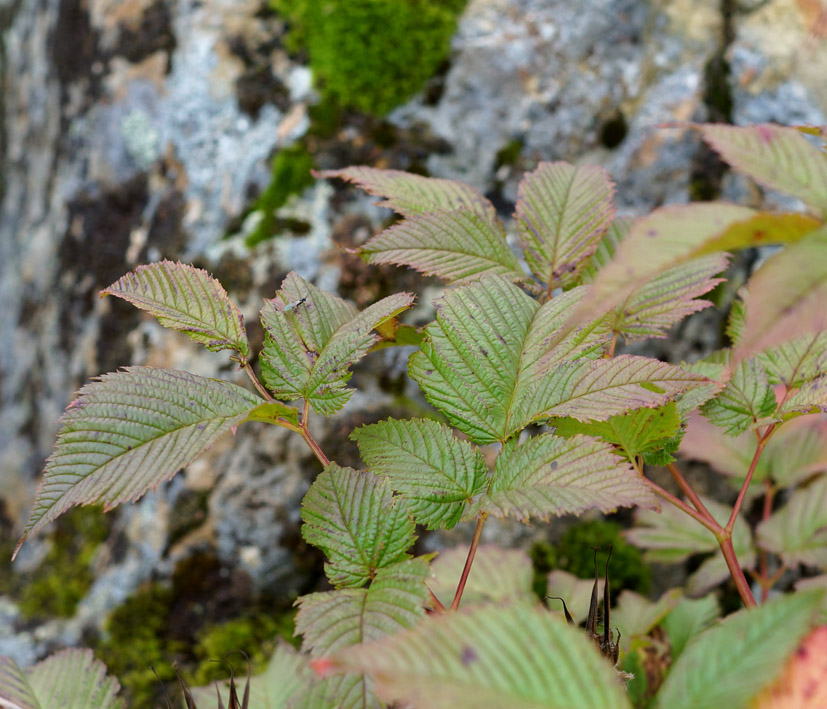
point(139, 130)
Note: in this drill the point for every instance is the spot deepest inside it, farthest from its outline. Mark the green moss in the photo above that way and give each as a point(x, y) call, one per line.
point(372, 55)
point(65, 574)
point(256, 635)
point(509, 153)
point(575, 554)
point(291, 175)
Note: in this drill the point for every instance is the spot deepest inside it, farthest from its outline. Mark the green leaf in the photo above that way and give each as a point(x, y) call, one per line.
point(687, 619)
point(354, 518)
point(517, 656)
point(745, 402)
point(73, 678)
point(576, 592)
point(286, 674)
point(801, 360)
point(492, 363)
point(809, 398)
point(785, 297)
point(778, 157)
point(129, 431)
point(798, 531)
point(271, 411)
point(187, 299)
point(333, 621)
point(314, 337)
point(635, 433)
point(729, 664)
point(669, 236)
point(459, 246)
point(434, 471)
point(547, 475)
point(497, 575)
point(636, 615)
point(562, 213)
point(15, 690)
point(657, 304)
point(672, 536)
point(411, 194)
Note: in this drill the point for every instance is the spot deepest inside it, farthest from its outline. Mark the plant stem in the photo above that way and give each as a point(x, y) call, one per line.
point(438, 607)
point(254, 379)
point(311, 442)
point(707, 522)
point(611, 351)
point(687, 490)
point(472, 551)
point(747, 480)
point(769, 492)
point(737, 573)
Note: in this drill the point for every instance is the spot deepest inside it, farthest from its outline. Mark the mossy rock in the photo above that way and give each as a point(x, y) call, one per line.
point(372, 55)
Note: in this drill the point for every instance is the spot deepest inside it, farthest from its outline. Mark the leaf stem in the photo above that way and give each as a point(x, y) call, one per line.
point(254, 379)
point(472, 551)
point(763, 579)
point(709, 523)
point(438, 607)
point(737, 573)
point(311, 442)
point(687, 490)
point(748, 479)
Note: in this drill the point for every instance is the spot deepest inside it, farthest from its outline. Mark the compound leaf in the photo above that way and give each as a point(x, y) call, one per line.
point(497, 575)
point(798, 531)
point(641, 431)
point(74, 678)
point(129, 431)
point(729, 664)
point(333, 621)
point(459, 246)
point(187, 299)
point(776, 156)
point(801, 360)
point(411, 194)
point(785, 297)
point(353, 517)
point(810, 397)
point(314, 337)
point(518, 656)
point(547, 475)
point(745, 402)
point(562, 213)
point(433, 470)
point(15, 690)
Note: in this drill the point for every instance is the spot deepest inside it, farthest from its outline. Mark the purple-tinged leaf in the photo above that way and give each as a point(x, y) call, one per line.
point(187, 299)
point(128, 431)
point(562, 213)
point(778, 157)
point(547, 475)
point(809, 398)
point(411, 194)
point(785, 297)
point(458, 246)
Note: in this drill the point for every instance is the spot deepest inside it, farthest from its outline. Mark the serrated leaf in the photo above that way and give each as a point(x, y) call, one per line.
point(576, 592)
point(785, 297)
point(687, 619)
point(458, 246)
point(808, 398)
point(562, 213)
point(636, 615)
point(729, 664)
point(745, 402)
point(314, 337)
point(798, 531)
point(129, 431)
point(518, 656)
point(671, 536)
point(286, 674)
point(635, 433)
point(547, 475)
point(669, 236)
point(497, 575)
point(74, 678)
point(803, 681)
point(353, 517)
point(15, 690)
point(187, 299)
point(488, 347)
point(657, 304)
point(332, 621)
point(272, 411)
point(801, 360)
point(434, 471)
point(411, 194)
point(776, 156)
